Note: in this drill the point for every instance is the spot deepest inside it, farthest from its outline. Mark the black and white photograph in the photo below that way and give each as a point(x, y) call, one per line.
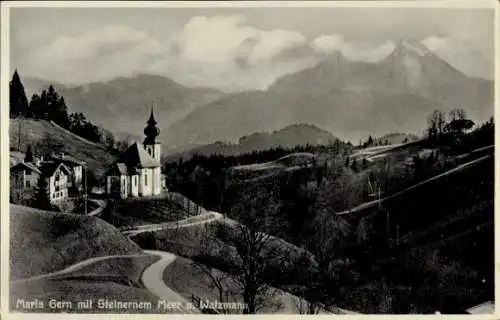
point(325, 158)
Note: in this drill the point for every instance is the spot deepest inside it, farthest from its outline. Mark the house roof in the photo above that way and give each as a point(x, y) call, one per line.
point(48, 168)
point(24, 166)
point(68, 160)
point(136, 156)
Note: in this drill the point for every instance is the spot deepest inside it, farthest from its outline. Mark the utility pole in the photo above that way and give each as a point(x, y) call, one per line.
point(19, 133)
point(85, 189)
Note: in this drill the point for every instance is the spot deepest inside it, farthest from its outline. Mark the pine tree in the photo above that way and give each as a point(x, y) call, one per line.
point(44, 110)
point(370, 140)
point(36, 105)
point(60, 113)
point(17, 99)
point(29, 155)
point(41, 198)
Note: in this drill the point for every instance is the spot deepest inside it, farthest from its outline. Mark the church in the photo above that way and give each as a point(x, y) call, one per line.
point(137, 173)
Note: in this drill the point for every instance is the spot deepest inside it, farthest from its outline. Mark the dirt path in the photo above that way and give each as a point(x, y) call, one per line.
point(152, 278)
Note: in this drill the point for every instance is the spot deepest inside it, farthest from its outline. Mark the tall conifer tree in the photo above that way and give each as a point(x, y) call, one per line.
point(17, 98)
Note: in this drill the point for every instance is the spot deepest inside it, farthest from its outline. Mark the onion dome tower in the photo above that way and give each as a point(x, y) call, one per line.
point(151, 143)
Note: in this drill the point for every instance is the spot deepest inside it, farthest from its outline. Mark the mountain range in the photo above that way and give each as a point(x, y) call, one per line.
point(123, 105)
point(351, 99)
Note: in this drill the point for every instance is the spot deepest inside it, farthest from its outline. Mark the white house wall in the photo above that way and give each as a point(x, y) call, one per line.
point(134, 185)
point(123, 186)
point(30, 178)
point(78, 174)
point(62, 190)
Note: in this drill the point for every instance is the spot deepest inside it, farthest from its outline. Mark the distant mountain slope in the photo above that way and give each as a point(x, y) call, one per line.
point(36, 85)
point(288, 137)
point(123, 104)
point(348, 114)
point(43, 241)
point(350, 99)
point(34, 131)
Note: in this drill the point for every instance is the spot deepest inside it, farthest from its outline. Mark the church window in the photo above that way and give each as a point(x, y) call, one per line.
point(135, 181)
point(146, 178)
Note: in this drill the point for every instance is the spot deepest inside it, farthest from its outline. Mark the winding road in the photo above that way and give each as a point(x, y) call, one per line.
point(76, 266)
point(201, 219)
point(152, 278)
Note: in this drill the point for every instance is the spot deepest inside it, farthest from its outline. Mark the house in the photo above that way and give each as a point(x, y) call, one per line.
point(58, 176)
point(75, 165)
point(137, 173)
point(25, 176)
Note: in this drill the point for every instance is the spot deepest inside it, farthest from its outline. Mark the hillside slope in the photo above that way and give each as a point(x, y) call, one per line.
point(299, 134)
point(42, 241)
point(35, 131)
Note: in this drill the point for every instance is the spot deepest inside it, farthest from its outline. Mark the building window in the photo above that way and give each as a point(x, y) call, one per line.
point(28, 184)
point(135, 181)
point(146, 179)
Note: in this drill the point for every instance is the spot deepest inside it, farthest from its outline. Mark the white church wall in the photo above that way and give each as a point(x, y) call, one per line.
point(157, 153)
point(157, 181)
point(134, 185)
point(146, 182)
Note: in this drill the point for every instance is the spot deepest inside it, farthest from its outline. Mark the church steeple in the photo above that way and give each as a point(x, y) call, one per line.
point(151, 131)
point(151, 120)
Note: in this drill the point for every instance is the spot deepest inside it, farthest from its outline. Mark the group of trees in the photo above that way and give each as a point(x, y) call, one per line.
point(373, 142)
point(49, 105)
point(301, 209)
point(440, 123)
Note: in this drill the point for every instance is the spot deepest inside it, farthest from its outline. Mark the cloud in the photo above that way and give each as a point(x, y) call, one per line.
point(219, 40)
point(435, 43)
point(98, 54)
point(358, 51)
point(207, 51)
point(327, 44)
point(225, 51)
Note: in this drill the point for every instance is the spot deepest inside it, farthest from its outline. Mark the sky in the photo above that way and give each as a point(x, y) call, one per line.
point(234, 48)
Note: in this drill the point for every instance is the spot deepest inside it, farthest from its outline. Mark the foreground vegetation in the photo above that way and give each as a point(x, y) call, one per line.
point(351, 258)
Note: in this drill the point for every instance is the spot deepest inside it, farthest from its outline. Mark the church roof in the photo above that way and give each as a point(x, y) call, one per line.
point(136, 156)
